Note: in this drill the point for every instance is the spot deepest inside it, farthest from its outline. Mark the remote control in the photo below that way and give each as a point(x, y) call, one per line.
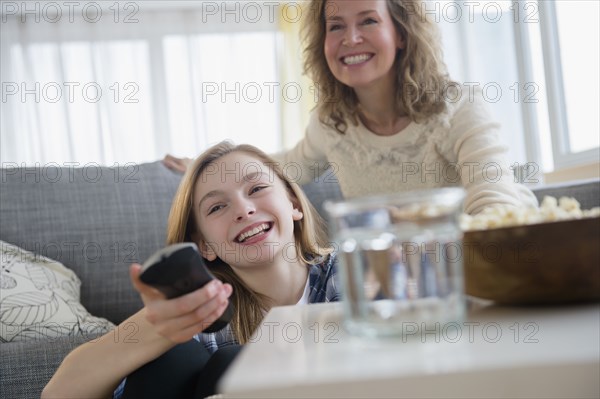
point(177, 270)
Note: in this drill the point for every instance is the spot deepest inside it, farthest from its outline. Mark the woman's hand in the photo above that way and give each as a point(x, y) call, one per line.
point(177, 164)
point(179, 319)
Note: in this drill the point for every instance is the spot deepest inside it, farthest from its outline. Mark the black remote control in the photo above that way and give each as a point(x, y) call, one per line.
point(177, 270)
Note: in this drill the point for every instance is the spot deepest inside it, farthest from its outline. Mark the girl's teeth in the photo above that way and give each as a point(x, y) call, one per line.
point(355, 59)
point(253, 232)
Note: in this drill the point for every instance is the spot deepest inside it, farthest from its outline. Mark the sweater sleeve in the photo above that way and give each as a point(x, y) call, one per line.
point(308, 159)
point(481, 156)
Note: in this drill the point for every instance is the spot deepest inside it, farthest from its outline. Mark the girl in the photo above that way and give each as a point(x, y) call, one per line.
point(261, 239)
point(389, 118)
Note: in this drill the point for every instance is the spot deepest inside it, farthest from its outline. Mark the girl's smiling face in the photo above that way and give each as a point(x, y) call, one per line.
point(243, 211)
point(361, 42)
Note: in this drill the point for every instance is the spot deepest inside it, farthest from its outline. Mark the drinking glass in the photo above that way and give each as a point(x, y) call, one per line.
point(400, 261)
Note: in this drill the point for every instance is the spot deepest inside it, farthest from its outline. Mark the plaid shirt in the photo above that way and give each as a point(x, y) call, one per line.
point(323, 285)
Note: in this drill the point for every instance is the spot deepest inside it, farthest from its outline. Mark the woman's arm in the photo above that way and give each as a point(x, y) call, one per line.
point(96, 368)
point(177, 164)
point(306, 161)
point(485, 173)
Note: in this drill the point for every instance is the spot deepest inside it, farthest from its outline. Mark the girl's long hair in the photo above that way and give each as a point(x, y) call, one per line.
point(310, 242)
point(422, 77)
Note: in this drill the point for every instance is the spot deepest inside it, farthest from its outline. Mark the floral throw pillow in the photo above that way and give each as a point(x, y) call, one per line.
point(39, 299)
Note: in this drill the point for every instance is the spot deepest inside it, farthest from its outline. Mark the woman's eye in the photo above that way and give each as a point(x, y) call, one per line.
point(334, 27)
point(215, 208)
point(369, 21)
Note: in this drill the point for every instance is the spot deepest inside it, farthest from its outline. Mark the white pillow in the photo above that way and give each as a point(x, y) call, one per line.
point(39, 299)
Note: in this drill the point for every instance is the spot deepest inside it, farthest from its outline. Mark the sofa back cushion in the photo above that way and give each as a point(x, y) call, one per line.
point(323, 188)
point(95, 220)
point(98, 220)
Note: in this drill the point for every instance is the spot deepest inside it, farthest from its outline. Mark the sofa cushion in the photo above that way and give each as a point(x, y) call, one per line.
point(94, 220)
point(39, 299)
point(28, 366)
point(323, 188)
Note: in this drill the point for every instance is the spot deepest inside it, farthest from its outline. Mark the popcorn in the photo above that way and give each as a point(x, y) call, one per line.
point(419, 211)
point(591, 213)
point(550, 210)
point(549, 203)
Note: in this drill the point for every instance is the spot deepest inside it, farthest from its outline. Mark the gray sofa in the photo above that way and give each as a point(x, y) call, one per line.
point(120, 215)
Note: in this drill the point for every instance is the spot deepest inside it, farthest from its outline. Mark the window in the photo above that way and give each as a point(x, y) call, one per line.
point(227, 87)
point(542, 58)
point(130, 82)
point(480, 52)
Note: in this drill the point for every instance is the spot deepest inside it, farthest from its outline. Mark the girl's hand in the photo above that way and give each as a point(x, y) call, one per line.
point(179, 319)
point(177, 164)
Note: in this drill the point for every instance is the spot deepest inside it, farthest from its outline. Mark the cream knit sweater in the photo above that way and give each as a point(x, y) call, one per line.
point(459, 147)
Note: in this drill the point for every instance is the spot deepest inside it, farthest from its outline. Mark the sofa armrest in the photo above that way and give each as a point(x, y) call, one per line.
point(587, 192)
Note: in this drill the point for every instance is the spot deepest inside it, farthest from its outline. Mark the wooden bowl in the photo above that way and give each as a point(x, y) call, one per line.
point(548, 263)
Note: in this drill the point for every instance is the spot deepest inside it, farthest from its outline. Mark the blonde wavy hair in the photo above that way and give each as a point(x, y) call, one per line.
point(422, 77)
point(310, 240)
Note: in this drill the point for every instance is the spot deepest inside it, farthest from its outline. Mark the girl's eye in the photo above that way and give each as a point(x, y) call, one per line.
point(257, 189)
point(215, 208)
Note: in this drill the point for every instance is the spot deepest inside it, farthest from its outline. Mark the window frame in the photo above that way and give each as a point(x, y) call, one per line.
point(563, 156)
point(529, 112)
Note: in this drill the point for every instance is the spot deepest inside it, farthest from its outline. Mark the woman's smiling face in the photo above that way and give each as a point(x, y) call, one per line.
point(243, 211)
point(361, 41)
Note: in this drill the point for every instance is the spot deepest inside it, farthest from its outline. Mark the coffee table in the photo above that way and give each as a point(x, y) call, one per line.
point(304, 351)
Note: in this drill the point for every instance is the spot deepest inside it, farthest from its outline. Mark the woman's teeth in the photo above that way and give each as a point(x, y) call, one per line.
point(356, 59)
point(250, 233)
